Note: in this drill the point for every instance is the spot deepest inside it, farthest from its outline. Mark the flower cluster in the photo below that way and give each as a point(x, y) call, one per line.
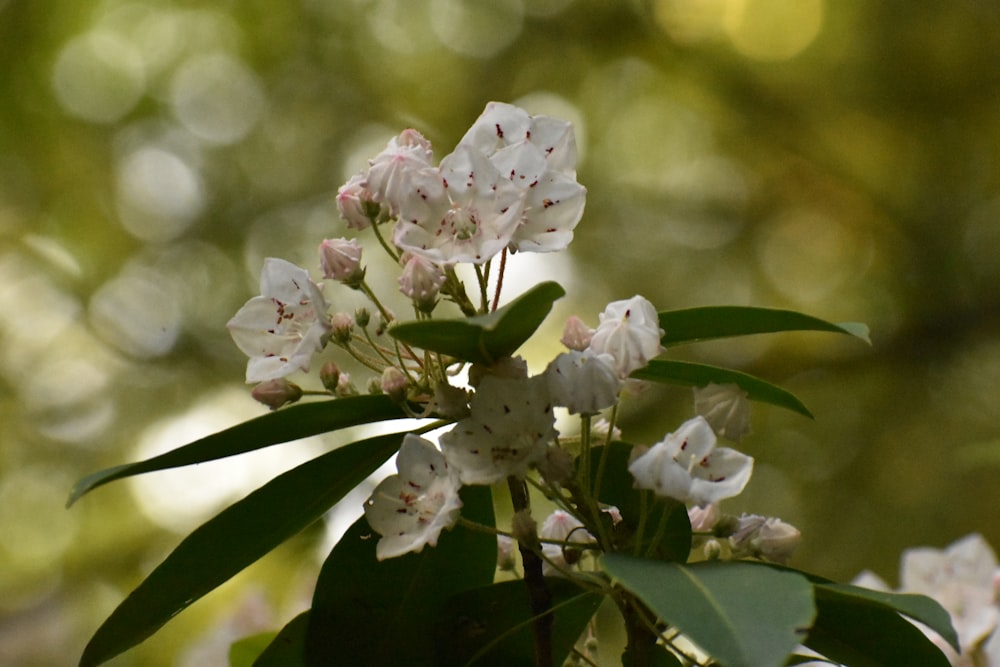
point(509, 186)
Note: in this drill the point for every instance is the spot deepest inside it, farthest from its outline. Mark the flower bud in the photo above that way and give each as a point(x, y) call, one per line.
point(345, 387)
point(394, 384)
point(776, 540)
point(355, 203)
point(329, 375)
point(712, 549)
point(421, 280)
point(362, 316)
point(576, 334)
point(374, 386)
point(703, 517)
point(275, 393)
point(342, 325)
point(340, 259)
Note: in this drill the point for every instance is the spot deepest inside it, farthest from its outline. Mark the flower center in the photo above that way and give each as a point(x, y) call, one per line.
point(463, 223)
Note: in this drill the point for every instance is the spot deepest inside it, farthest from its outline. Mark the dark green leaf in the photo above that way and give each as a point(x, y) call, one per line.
point(617, 489)
point(367, 612)
point(234, 539)
point(285, 425)
point(695, 324)
point(741, 613)
point(486, 338)
point(691, 374)
point(491, 626)
point(857, 629)
point(288, 648)
point(244, 651)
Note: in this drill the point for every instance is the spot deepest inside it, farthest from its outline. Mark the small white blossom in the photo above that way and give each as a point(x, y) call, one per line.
point(508, 431)
point(465, 211)
point(687, 466)
point(583, 382)
point(630, 332)
point(564, 527)
point(391, 172)
point(340, 259)
point(281, 329)
point(726, 408)
point(411, 508)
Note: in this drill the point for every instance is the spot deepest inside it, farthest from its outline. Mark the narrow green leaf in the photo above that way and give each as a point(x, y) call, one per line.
point(367, 612)
point(288, 648)
point(692, 374)
point(696, 324)
point(741, 613)
point(855, 628)
point(492, 626)
point(285, 425)
point(486, 338)
point(234, 539)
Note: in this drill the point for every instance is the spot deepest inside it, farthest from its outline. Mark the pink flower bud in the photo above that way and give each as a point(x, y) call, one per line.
point(342, 325)
point(275, 393)
point(355, 202)
point(421, 281)
point(394, 384)
point(340, 259)
point(576, 334)
point(329, 375)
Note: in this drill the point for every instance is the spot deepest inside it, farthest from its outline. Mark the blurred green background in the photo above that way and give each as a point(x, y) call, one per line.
point(837, 157)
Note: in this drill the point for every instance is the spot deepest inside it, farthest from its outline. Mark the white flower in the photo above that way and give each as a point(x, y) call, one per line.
point(463, 212)
point(583, 382)
point(538, 154)
point(281, 329)
point(726, 408)
point(390, 173)
point(629, 331)
point(564, 527)
point(508, 431)
point(421, 280)
point(340, 259)
point(687, 466)
point(411, 509)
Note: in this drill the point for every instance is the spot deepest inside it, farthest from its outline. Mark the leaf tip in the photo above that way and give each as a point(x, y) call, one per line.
point(857, 329)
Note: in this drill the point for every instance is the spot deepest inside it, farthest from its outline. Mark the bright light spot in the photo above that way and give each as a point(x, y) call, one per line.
point(809, 256)
point(217, 98)
point(401, 25)
point(136, 313)
point(690, 21)
point(180, 498)
point(56, 254)
point(772, 30)
point(159, 194)
point(35, 525)
point(98, 76)
point(478, 29)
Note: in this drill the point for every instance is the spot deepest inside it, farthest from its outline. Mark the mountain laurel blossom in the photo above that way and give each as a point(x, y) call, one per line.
point(508, 431)
point(411, 508)
point(390, 173)
point(583, 382)
point(687, 466)
point(283, 328)
point(726, 408)
point(630, 332)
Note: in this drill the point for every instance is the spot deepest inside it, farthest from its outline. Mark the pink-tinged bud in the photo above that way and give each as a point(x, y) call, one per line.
point(345, 387)
point(340, 259)
point(329, 375)
point(776, 541)
point(275, 393)
point(394, 384)
point(576, 334)
point(355, 203)
point(421, 281)
point(704, 517)
point(341, 327)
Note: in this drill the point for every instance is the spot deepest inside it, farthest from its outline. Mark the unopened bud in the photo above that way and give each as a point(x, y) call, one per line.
point(354, 201)
point(275, 393)
point(421, 280)
point(712, 549)
point(345, 387)
point(342, 326)
point(776, 540)
point(394, 384)
point(329, 375)
point(362, 316)
point(576, 334)
point(374, 386)
point(703, 517)
point(340, 259)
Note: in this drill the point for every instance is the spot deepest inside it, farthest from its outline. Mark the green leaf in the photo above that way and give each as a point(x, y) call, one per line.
point(491, 626)
point(234, 539)
point(741, 613)
point(699, 375)
point(285, 425)
point(367, 612)
point(486, 338)
point(857, 628)
point(288, 648)
point(706, 323)
point(244, 651)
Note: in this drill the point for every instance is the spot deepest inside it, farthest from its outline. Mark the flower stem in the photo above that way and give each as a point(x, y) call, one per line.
point(503, 265)
point(539, 595)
